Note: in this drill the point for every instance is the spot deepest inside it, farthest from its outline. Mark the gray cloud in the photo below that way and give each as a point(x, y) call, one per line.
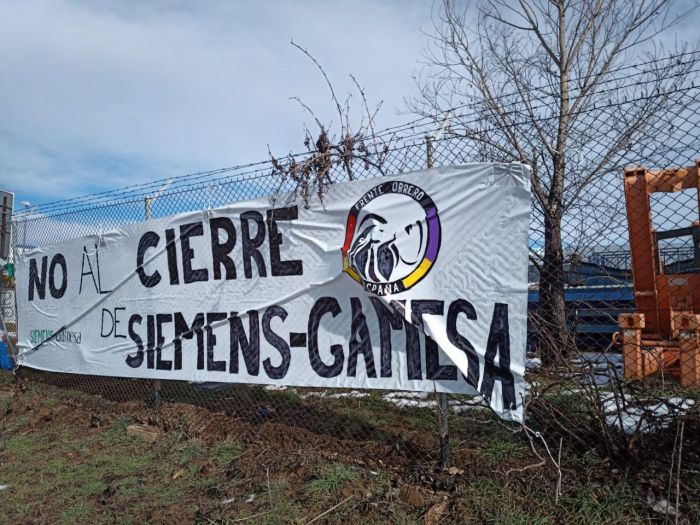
point(99, 96)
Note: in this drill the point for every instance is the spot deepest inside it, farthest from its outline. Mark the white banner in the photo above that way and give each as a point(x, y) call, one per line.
point(414, 282)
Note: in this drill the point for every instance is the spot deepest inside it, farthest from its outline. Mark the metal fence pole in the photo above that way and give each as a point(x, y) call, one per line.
point(595, 235)
point(443, 405)
point(148, 214)
point(443, 409)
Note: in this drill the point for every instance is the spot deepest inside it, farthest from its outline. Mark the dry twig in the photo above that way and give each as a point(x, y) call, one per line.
point(313, 173)
point(329, 510)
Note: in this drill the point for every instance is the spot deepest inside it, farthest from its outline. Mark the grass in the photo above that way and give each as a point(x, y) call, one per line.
point(60, 469)
point(487, 500)
point(120, 425)
point(191, 451)
point(603, 504)
point(5, 378)
point(283, 509)
point(78, 470)
point(19, 422)
point(501, 449)
point(494, 441)
point(224, 453)
point(330, 480)
point(78, 513)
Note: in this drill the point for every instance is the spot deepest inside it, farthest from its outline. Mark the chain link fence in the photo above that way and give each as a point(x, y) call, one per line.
point(617, 390)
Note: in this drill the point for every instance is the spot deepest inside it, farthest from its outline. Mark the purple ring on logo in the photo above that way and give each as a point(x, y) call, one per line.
point(431, 218)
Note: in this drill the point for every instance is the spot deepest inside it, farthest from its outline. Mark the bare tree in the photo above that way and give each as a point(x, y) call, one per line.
point(311, 174)
point(543, 82)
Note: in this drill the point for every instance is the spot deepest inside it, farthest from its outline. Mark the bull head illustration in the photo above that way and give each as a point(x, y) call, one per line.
point(378, 248)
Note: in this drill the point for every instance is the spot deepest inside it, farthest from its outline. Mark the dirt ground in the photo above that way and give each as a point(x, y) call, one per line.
point(68, 457)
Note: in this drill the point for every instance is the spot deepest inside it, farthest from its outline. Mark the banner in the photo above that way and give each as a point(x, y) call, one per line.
point(413, 282)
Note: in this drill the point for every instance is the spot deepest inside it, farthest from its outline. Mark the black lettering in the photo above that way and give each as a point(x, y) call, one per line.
point(171, 251)
point(35, 281)
point(102, 323)
point(389, 319)
point(99, 278)
point(359, 341)
point(251, 245)
point(150, 342)
point(499, 344)
point(189, 274)
point(148, 240)
point(117, 321)
point(219, 250)
point(279, 267)
point(433, 369)
point(413, 362)
point(83, 273)
point(182, 329)
point(461, 306)
point(58, 260)
point(415, 369)
point(212, 364)
point(325, 305)
point(250, 346)
point(297, 339)
point(135, 361)
point(275, 372)
point(162, 364)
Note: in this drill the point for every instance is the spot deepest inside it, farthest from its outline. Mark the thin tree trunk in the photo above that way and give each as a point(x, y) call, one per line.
point(553, 332)
point(554, 336)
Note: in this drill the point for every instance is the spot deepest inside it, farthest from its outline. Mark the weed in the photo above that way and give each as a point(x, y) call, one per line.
point(284, 509)
point(24, 447)
point(191, 451)
point(223, 454)
point(596, 504)
point(62, 473)
point(76, 513)
point(5, 377)
point(479, 505)
point(500, 449)
point(116, 434)
point(120, 424)
point(173, 439)
point(330, 480)
point(19, 422)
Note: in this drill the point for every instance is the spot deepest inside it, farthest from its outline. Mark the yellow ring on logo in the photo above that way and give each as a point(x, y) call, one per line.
point(418, 273)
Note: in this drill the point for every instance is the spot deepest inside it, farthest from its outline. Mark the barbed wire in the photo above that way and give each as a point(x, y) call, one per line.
point(690, 57)
point(402, 136)
point(564, 398)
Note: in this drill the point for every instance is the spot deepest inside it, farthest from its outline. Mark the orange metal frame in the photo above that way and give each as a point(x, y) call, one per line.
point(663, 333)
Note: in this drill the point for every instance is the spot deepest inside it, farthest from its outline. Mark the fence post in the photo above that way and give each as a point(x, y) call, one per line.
point(14, 242)
point(443, 405)
point(9, 346)
point(429, 151)
point(443, 408)
point(148, 214)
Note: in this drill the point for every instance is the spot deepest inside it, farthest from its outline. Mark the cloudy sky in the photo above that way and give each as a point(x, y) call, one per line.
point(97, 95)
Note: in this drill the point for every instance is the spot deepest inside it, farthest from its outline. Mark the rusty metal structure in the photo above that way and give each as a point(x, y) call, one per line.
point(663, 334)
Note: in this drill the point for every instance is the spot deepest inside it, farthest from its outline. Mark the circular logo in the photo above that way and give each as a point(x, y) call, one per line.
point(392, 238)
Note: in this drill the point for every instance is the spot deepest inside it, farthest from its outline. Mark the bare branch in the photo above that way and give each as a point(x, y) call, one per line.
point(325, 76)
point(313, 174)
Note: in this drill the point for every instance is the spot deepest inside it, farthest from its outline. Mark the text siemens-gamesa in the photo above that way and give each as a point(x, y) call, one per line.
point(220, 339)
